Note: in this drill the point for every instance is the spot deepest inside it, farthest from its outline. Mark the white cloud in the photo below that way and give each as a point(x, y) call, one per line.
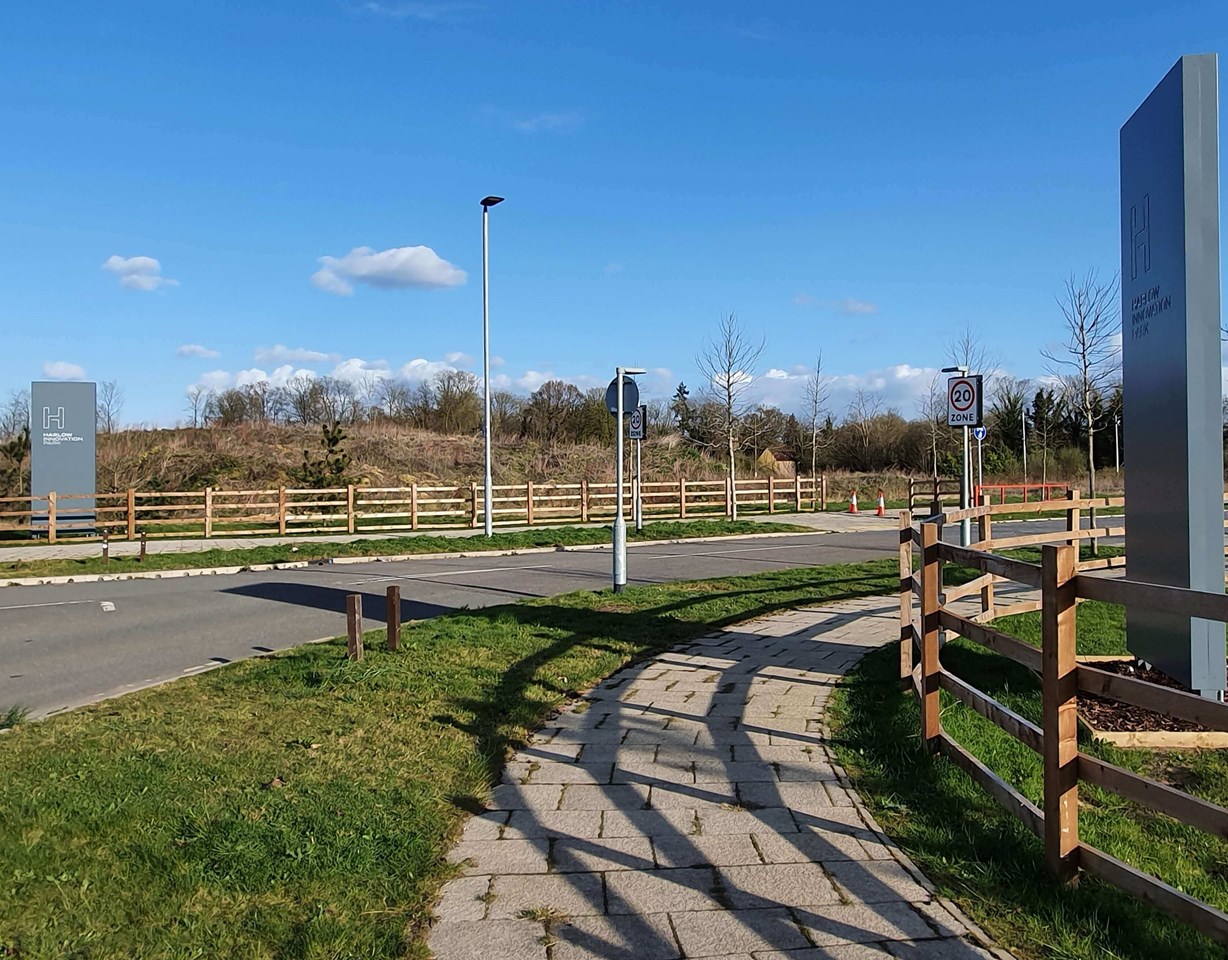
point(138, 273)
point(214, 380)
point(422, 369)
point(393, 269)
point(461, 359)
point(278, 378)
point(497, 362)
point(549, 122)
point(849, 306)
point(356, 370)
point(775, 374)
point(280, 353)
point(62, 370)
point(422, 10)
point(196, 350)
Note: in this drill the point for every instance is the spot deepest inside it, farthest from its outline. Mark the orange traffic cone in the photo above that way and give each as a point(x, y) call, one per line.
point(853, 503)
point(882, 507)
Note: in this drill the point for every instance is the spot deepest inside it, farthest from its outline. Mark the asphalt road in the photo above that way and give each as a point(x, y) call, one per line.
point(66, 645)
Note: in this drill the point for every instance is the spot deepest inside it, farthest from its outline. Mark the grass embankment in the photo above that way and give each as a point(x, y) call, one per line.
point(300, 805)
point(987, 860)
point(392, 546)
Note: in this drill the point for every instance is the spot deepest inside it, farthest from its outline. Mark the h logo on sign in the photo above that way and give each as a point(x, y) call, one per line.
point(53, 419)
point(1140, 238)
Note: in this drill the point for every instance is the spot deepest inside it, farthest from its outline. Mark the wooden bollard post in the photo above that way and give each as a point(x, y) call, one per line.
point(584, 501)
point(51, 517)
point(106, 548)
point(823, 493)
point(906, 641)
point(1059, 703)
point(771, 494)
point(985, 532)
point(393, 617)
point(931, 607)
point(141, 558)
point(353, 625)
point(131, 514)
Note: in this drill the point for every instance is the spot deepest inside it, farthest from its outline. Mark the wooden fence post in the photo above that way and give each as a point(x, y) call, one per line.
point(1059, 709)
point(931, 584)
point(473, 505)
point(823, 496)
point(528, 500)
point(208, 512)
point(281, 510)
point(353, 625)
point(393, 617)
point(413, 506)
point(1073, 516)
point(797, 494)
point(905, 596)
point(349, 508)
point(682, 498)
point(985, 532)
point(731, 493)
point(584, 501)
point(131, 514)
point(771, 494)
point(51, 517)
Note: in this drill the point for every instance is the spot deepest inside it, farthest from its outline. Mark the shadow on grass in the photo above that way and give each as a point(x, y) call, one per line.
point(964, 841)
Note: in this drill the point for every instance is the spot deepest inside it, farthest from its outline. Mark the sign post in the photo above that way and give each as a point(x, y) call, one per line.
point(964, 409)
point(979, 434)
point(1170, 318)
point(635, 430)
point(617, 394)
point(63, 432)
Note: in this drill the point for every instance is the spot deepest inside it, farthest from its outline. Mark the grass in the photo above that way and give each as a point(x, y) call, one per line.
point(985, 859)
point(418, 544)
point(300, 805)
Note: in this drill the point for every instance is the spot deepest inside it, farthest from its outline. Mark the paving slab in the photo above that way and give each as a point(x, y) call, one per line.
point(690, 808)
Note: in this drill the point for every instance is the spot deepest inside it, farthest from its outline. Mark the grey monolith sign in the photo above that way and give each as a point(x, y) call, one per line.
point(1170, 315)
point(63, 426)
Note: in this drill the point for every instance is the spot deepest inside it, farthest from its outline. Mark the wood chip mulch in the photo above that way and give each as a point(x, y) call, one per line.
point(1113, 715)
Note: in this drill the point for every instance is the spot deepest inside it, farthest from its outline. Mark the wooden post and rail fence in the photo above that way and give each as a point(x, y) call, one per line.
point(356, 509)
point(1063, 582)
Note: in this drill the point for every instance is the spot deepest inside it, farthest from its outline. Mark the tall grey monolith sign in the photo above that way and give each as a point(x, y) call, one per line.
point(63, 428)
point(1170, 314)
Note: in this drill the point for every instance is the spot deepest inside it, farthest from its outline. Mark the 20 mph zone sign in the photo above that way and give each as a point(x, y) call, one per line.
point(964, 401)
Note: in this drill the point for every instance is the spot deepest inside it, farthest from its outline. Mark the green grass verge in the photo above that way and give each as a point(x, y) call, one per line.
point(421, 543)
point(985, 859)
point(300, 805)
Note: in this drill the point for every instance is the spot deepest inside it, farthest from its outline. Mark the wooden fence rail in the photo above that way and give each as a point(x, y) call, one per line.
point(357, 509)
point(1062, 586)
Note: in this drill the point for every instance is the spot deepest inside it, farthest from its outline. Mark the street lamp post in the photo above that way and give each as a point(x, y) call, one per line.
point(1023, 426)
point(620, 521)
point(965, 480)
point(487, 203)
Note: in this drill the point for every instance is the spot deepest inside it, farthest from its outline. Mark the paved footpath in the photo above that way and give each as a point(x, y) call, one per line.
point(690, 807)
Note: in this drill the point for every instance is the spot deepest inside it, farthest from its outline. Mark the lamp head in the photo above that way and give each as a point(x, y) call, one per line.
point(491, 201)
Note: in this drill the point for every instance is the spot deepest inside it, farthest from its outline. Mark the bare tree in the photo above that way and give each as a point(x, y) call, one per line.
point(727, 363)
point(506, 410)
point(934, 410)
point(969, 350)
point(458, 401)
point(198, 400)
point(1089, 360)
point(863, 410)
point(15, 414)
point(815, 394)
point(110, 406)
point(305, 405)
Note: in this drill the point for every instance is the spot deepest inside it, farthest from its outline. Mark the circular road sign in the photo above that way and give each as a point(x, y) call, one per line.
point(637, 420)
point(961, 394)
point(979, 433)
point(631, 397)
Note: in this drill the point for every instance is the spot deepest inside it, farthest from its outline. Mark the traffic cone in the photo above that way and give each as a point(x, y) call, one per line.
point(853, 503)
point(882, 507)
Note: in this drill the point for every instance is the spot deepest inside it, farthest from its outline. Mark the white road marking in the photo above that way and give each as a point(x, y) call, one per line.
point(449, 573)
point(56, 603)
point(721, 553)
point(107, 606)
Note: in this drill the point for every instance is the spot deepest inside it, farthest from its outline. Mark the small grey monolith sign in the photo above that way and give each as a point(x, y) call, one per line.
point(63, 426)
point(1170, 316)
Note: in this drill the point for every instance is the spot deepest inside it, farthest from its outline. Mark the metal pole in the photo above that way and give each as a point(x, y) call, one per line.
point(965, 525)
point(980, 465)
point(1117, 440)
point(639, 487)
point(620, 523)
point(486, 491)
point(1023, 423)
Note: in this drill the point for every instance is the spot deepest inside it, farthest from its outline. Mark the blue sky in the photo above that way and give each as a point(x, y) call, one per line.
point(863, 179)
